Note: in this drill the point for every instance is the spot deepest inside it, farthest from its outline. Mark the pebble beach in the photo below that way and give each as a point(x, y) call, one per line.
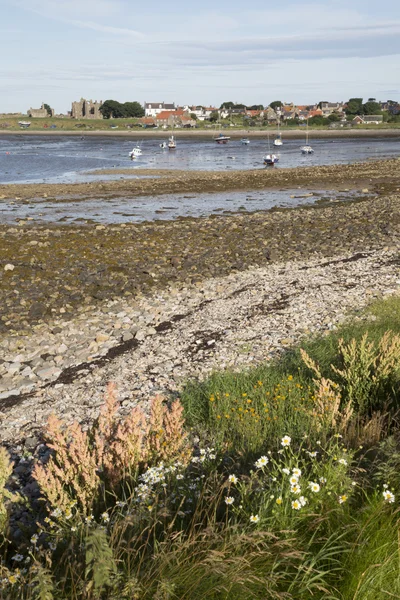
point(152, 305)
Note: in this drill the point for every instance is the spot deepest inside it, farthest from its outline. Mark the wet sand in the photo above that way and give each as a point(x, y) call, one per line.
point(384, 175)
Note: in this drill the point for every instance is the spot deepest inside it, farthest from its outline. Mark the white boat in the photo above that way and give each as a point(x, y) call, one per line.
point(307, 149)
point(222, 139)
point(135, 153)
point(171, 143)
point(163, 145)
point(24, 124)
point(270, 160)
point(245, 141)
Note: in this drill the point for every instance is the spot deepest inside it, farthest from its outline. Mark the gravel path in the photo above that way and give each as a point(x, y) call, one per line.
point(155, 343)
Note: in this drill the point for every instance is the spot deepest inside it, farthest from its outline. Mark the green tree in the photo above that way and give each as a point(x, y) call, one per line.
point(214, 117)
point(47, 107)
point(193, 116)
point(354, 106)
point(276, 104)
point(256, 107)
point(371, 108)
point(133, 109)
point(333, 117)
point(227, 105)
point(111, 109)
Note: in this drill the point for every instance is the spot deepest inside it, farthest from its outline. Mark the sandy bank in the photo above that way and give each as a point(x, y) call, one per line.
point(384, 174)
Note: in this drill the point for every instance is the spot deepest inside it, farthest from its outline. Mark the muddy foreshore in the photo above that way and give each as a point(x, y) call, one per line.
point(384, 175)
point(48, 272)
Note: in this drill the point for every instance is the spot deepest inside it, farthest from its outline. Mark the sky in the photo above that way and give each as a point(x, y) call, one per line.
point(208, 52)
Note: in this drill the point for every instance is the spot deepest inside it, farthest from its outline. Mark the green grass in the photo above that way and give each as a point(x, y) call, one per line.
point(284, 388)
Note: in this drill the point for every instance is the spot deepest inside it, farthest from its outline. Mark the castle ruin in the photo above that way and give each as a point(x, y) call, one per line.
point(86, 109)
point(40, 113)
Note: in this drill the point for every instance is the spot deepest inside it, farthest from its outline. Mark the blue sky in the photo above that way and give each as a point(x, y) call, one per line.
point(57, 51)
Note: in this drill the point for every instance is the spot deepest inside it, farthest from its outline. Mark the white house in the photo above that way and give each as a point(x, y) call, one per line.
point(202, 113)
point(152, 109)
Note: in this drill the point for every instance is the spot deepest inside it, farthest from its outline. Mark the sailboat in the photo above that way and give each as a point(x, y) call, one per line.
point(171, 143)
point(278, 139)
point(270, 159)
point(307, 149)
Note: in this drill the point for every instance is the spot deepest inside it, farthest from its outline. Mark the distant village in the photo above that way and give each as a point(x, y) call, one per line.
point(162, 114)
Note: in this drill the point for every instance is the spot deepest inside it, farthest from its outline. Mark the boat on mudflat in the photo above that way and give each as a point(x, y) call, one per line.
point(270, 160)
point(135, 153)
point(222, 139)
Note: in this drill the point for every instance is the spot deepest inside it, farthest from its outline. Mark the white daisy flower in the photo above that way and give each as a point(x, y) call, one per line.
point(229, 500)
point(254, 518)
point(314, 487)
point(293, 479)
point(232, 479)
point(342, 499)
point(295, 489)
point(286, 441)
point(296, 472)
point(296, 505)
point(388, 496)
point(342, 461)
point(261, 462)
point(303, 501)
point(286, 471)
point(17, 557)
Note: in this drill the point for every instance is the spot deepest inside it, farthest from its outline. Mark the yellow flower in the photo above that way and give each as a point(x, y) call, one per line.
point(342, 499)
point(218, 416)
point(279, 501)
point(290, 377)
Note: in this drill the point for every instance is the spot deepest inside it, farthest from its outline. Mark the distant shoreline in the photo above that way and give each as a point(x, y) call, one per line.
point(237, 133)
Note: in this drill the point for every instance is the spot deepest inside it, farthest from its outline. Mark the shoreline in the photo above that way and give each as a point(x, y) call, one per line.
point(231, 322)
point(383, 174)
point(200, 133)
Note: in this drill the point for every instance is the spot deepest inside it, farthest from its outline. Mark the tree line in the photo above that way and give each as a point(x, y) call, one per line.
point(112, 109)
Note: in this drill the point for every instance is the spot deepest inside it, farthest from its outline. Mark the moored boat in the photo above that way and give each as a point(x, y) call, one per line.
point(135, 153)
point(24, 124)
point(222, 139)
point(270, 160)
point(171, 143)
point(245, 141)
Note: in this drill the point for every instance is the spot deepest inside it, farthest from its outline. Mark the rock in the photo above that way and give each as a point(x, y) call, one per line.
point(127, 336)
point(9, 267)
point(102, 337)
point(37, 310)
point(49, 373)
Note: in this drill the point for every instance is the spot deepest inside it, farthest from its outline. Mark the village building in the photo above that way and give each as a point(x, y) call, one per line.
point(86, 109)
point(40, 113)
point(152, 109)
point(368, 120)
point(203, 113)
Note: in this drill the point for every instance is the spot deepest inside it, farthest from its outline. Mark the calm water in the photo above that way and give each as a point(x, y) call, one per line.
point(69, 159)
